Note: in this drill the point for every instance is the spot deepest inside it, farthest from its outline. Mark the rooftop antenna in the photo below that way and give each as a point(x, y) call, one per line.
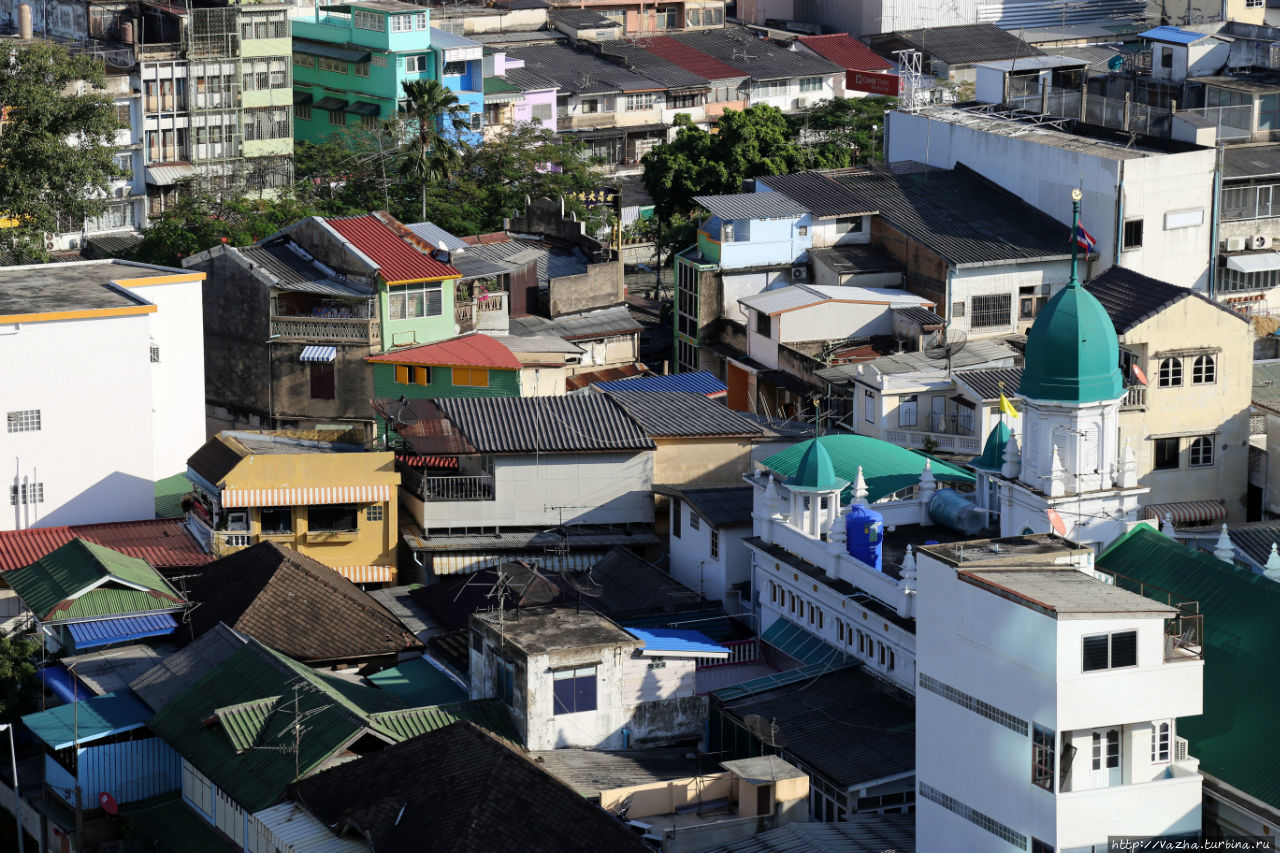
point(945, 344)
point(910, 80)
point(296, 727)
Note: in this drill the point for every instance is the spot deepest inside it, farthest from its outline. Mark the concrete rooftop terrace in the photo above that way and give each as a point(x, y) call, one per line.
point(1063, 591)
point(539, 630)
point(82, 289)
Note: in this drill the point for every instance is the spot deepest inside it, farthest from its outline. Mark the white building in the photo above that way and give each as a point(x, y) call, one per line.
point(116, 400)
point(1048, 711)
point(708, 554)
point(1148, 203)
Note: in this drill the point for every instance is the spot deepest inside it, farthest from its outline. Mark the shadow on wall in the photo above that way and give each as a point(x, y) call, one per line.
point(116, 497)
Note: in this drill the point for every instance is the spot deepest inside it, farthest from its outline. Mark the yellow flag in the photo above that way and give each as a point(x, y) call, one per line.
point(1006, 407)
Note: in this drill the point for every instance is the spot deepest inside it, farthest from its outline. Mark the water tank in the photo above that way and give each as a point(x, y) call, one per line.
point(952, 509)
point(25, 30)
point(864, 534)
point(126, 31)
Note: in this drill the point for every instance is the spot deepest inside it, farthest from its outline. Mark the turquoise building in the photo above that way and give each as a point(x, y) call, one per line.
point(350, 61)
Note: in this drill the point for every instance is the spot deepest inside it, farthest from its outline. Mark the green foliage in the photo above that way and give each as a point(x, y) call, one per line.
point(437, 121)
point(842, 132)
point(56, 146)
point(19, 686)
point(200, 220)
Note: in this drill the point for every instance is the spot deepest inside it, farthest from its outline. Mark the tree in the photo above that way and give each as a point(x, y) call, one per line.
point(842, 132)
point(437, 122)
point(57, 144)
point(19, 686)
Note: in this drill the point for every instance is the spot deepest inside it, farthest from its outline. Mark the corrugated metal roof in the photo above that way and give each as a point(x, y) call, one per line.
point(886, 467)
point(1131, 298)
point(722, 507)
point(606, 322)
point(800, 295)
point(125, 629)
point(857, 833)
point(88, 720)
point(332, 51)
point(540, 539)
point(1250, 161)
point(1255, 539)
point(651, 65)
point(823, 196)
point(397, 261)
point(1173, 35)
point(846, 51)
point(544, 424)
point(963, 44)
point(163, 176)
point(1030, 63)
point(582, 19)
point(467, 351)
point(678, 641)
point(752, 206)
point(580, 72)
point(682, 413)
point(81, 580)
point(739, 48)
point(179, 670)
point(916, 314)
point(782, 299)
point(690, 59)
point(703, 382)
point(162, 542)
point(437, 236)
point(989, 382)
point(299, 830)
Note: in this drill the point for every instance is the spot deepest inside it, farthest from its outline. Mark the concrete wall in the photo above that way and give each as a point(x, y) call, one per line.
point(599, 287)
point(761, 242)
point(688, 461)
point(691, 561)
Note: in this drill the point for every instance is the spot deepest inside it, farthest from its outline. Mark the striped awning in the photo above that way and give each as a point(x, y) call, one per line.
point(469, 562)
point(413, 460)
point(314, 353)
point(307, 496)
point(367, 574)
point(1187, 512)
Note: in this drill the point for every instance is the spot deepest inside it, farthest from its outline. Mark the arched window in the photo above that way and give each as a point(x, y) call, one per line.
point(1170, 372)
point(1160, 743)
point(1204, 370)
point(1201, 452)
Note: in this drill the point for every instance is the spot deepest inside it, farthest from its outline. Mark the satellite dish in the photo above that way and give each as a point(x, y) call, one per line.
point(1115, 63)
point(945, 344)
point(108, 803)
point(405, 416)
point(583, 585)
point(766, 731)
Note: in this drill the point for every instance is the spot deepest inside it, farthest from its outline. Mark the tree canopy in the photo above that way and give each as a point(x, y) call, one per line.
point(57, 144)
point(19, 686)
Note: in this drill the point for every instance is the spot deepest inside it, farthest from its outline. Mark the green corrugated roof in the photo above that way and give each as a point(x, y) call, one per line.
point(886, 467)
point(336, 711)
point(419, 683)
point(815, 472)
point(498, 86)
point(54, 586)
point(169, 494)
point(1235, 738)
point(104, 715)
point(411, 722)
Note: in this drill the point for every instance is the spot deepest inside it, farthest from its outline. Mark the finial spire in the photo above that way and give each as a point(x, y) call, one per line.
point(1075, 232)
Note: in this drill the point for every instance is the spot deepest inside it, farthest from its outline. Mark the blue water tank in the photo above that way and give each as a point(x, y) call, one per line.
point(952, 509)
point(864, 534)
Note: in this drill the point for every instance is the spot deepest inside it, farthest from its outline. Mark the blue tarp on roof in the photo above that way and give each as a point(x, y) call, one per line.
point(678, 642)
point(61, 683)
point(99, 717)
point(703, 382)
point(124, 629)
point(1173, 35)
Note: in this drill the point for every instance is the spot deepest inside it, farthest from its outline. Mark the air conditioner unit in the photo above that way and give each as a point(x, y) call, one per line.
point(1179, 749)
point(799, 273)
point(1260, 241)
point(802, 103)
point(1236, 244)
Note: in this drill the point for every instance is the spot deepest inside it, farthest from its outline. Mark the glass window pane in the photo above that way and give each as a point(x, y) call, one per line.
point(1095, 653)
point(1124, 649)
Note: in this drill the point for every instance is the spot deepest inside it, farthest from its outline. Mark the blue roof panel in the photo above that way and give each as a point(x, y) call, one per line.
point(704, 382)
point(99, 717)
point(1173, 35)
point(126, 629)
point(61, 683)
point(677, 641)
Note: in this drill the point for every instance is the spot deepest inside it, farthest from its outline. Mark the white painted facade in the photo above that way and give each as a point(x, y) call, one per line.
point(1016, 741)
point(709, 569)
point(1169, 194)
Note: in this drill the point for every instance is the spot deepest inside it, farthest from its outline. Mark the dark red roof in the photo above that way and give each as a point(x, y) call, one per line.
point(398, 262)
point(164, 543)
point(845, 50)
point(606, 374)
point(689, 58)
point(465, 351)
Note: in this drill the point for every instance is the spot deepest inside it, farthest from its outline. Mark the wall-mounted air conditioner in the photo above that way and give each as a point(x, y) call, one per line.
point(1236, 244)
point(799, 273)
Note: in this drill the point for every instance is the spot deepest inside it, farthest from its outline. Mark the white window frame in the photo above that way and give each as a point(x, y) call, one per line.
point(868, 405)
point(1161, 741)
point(1200, 452)
point(1204, 370)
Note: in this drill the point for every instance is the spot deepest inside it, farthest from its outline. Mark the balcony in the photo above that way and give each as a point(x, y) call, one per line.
point(488, 311)
point(1167, 806)
point(362, 330)
point(1136, 398)
point(592, 121)
point(943, 441)
point(229, 541)
point(479, 487)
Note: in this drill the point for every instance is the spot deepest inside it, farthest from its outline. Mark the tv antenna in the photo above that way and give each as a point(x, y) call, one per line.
point(945, 344)
point(296, 726)
point(767, 731)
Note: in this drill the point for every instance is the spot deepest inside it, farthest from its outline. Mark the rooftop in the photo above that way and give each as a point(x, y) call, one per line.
point(602, 323)
point(966, 44)
point(176, 672)
point(545, 424)
point(397, 261)
point(846, 51)
point(669, 414)
point(1240, 162)
point(110, 670)
point(740, 48)
point(285, 265)
point(989, 383)
point(1131, 298)
point(722, 507)
point(887, 468)
point(539, 630)
point(581, 72)
point(653, 66)
point(763, 768)
point(1064, 593)
point(981, 351)
point(590, 771)
point(857, 833)
point(795, 296)
point(88, 720)
point(1035, 549)
point(1036, 63)
point(474, 350)
point(164, 543)
point(218, 456)
point(702, 382)
point(690, 59)
point(818, 193)
point(582, 19)
point(1173, 35)
point(854, 259)
point(50, 291)
point(752, 206)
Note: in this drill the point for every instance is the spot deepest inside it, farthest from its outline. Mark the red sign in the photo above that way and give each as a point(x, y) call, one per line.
point(108, 803)
point(874, 82)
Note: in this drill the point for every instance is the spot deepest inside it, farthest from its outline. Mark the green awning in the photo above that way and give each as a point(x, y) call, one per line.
point(363, 108)
point(336, 104)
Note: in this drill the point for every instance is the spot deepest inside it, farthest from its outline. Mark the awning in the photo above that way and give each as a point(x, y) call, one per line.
point(336, 104)
point(315, 353)
point(364, 108)
point(307, 496)
point(1187, 512)
point(163, 176)
point(413, 460)
point(125, 629)
point(332, 51)
point(469, 562)
point(367, 574)
point(1254, 263)
point(300, 98)
point(797, 643)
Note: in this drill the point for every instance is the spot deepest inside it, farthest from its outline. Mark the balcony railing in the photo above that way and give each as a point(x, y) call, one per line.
point(1135, 399)
point(478, 487)
point(941, 440)
point(340, 329)
point(740, 651)
point(591, 120)
point(1183, 633)
point(227, 541)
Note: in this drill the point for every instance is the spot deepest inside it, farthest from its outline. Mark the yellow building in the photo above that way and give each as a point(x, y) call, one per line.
point(310, 490)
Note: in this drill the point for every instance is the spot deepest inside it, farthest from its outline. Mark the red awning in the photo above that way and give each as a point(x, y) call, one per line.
point(413, 460)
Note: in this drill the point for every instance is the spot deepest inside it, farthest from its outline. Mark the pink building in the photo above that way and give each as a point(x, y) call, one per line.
point(513, 95)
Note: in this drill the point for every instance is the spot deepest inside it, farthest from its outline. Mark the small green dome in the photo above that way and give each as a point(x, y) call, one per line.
point(992, 458)
point(816, 473)
point(1072, 352)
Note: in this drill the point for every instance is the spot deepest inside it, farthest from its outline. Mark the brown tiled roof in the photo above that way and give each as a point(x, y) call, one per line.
point(164, 543)
point(214, 460)
point(296, 606)
point(470, 793)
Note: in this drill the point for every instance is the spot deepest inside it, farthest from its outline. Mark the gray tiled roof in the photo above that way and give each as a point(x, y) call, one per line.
point(724, 506)
point(580, 72)
point(515, 38)
point(654, 67)
point(526, 81)
point(966, 44)
point(590, 324)
point(545, 424)
point(819, 193)
point(281, 262)
point(738, 48)
point(590, 771)
point(975, 353)
point(989, 382)
point(1131, 298)
point(764, 205)
point(582, 19)
point(673, 413)
point(1250, 161)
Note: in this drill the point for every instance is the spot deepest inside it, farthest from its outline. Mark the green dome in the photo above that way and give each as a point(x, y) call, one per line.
point(992, 458)
point(1072, 352)
point(816, 473)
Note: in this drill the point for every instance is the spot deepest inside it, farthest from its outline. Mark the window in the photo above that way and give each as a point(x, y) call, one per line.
point(370, 21)
point(695, 520)
point(471, 377)
point(849, 225)
point(957, 309)
point(574, 689)
point(1204, 370)
point(540, 112)
point(683, 102)
point(715, 544)
point(506, 677)
point(24, 420)
point(1166, 57)
point(420, 62)
point(991, 311)
point(1133, 234)
point(1106, 751)
point(764, 324)
point(862, 641)
point(1166, 454)
point(590, 105)
point(422, 299)
point(908, 407)
point(362, 69)
point(1269, 112)
point(810, 84)
point(373, 513)
point(455, 69)
point(321, 381)
point(1200, 453)
point(677, 511)
point(413, 375)
point(1160, 743)
point(335, 518)
point(1170, 372)
point(868, 406)
point(304, 60)
point(337, 66)
point(1038, 846)
point(639, 101)
point(1026, 308)
point(124, 166)
point(302, 111)
point(1042, 741)
point(766, 88)
point(267, 123)
point(477, 121)
point(368, 122)
point(276, 519)
point(155, 354)
point(1110, 651)
point(337, 118)
point(27, 493)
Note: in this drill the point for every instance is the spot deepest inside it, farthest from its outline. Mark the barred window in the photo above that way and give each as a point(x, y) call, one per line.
point(24, 420)
point(991, 311)
point(266, 123)
point(27, 493)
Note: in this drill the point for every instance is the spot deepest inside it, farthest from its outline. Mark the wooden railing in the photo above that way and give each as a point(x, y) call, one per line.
point(360, 329)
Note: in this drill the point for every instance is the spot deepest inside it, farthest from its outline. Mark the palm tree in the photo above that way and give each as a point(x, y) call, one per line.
point(437, 122)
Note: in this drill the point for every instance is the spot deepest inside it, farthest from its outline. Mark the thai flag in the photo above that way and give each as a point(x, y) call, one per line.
point(1084, 239)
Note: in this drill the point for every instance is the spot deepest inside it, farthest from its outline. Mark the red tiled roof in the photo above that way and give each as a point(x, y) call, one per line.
point(163, 542)
point(845, 50)
point(415, 461)
point(689, 59)
point(579, 381)
point(397, 261)
point(466, 351)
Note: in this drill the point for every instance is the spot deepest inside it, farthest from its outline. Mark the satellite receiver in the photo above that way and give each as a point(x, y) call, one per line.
point(766, 731)
point(945, 344)
point(405, 415)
